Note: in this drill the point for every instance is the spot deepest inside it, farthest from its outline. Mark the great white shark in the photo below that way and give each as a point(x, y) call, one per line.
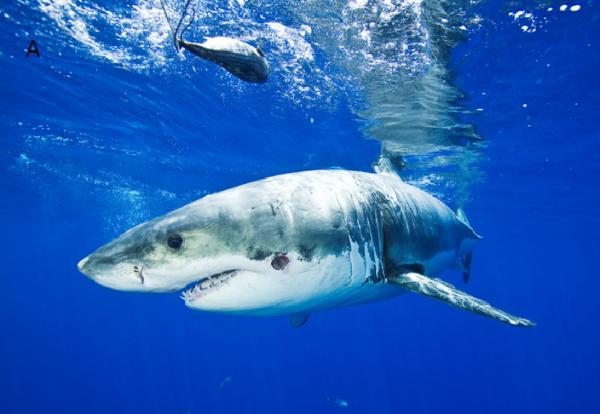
point(297, 243)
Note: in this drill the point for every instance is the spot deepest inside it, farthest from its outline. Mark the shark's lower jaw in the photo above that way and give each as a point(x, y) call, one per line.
point(207, 285)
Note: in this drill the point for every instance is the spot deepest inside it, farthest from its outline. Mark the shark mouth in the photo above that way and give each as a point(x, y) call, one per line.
point(207, 284)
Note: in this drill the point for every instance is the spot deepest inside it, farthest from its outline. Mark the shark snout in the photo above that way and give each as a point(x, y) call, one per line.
point(82, 263)
point(113, 274)
point(96, 265)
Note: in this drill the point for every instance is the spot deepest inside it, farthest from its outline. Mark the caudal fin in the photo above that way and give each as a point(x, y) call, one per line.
point(468, 257)
point(466, 264)
point(460, 213)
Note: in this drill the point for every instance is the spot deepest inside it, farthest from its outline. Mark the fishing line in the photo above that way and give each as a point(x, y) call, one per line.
point(183, 15)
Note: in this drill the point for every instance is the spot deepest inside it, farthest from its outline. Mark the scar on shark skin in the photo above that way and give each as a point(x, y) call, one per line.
point(280, 261)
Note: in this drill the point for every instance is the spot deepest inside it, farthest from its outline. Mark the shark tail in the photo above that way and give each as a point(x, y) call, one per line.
point(467, 259)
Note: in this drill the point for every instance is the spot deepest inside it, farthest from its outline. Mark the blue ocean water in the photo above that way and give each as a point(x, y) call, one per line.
point(489, 106)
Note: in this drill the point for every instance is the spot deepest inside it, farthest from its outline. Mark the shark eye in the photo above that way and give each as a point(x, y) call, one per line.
point(174, 241)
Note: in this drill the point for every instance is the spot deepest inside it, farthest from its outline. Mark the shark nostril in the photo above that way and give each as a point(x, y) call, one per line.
point(139, 270)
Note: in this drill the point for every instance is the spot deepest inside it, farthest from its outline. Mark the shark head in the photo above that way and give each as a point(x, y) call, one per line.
point(233, 251)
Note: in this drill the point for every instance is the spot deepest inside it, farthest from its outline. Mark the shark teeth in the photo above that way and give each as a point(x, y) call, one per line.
point(207, 284)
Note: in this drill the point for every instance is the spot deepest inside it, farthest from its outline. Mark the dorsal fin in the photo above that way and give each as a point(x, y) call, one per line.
point(388, 163)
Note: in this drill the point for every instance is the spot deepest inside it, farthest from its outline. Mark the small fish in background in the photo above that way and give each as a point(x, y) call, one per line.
point(340, 402)
point(225, 381)
point(242, 60)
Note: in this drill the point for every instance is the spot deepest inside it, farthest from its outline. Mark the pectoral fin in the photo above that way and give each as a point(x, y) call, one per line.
point(445, 292)
point(298, 319)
